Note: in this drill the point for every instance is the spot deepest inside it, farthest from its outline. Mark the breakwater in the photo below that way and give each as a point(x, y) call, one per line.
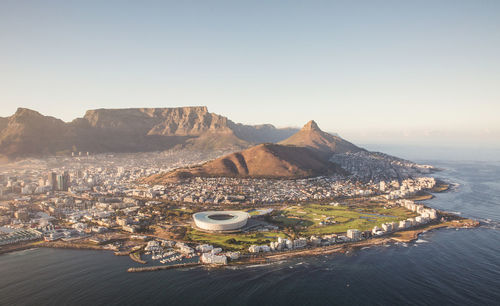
point(157, 268)
point(136, 256)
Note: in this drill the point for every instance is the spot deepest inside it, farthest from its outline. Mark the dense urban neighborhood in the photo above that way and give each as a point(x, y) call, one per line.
point(99, 200)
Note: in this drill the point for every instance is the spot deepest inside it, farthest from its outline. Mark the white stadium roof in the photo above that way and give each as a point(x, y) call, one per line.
point(221, 220)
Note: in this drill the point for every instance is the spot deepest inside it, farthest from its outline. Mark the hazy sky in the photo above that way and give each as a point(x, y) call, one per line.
point(414, 71)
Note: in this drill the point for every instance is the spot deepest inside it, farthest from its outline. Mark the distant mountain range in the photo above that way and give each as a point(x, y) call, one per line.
point(29, 133)
point(282, 153)
point(260, 161)
point(304, 154)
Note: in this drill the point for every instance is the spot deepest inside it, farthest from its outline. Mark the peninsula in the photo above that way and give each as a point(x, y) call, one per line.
point(253, 194)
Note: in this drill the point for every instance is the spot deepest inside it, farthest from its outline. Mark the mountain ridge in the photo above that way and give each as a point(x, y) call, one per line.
point(27, 133)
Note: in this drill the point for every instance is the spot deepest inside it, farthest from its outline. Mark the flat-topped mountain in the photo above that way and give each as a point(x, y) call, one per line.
point(311, 136)
point(29, 133)
point(261, 161)
point(180, 121)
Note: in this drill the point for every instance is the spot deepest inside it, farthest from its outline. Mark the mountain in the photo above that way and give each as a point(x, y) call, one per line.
point(311, 136)
point(260, 161)
point(309, 152)
point(29, 133)
point(180, 121)
point(3, 122)
point(215, 140)
point(261, 133)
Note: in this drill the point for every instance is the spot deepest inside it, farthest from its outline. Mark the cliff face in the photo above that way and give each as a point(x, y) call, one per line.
point(181, 121)
point(28, 133)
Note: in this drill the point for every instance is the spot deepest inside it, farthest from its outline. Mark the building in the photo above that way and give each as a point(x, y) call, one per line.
point(220, 220)
point(52, 180)
point(209, 258)
point(387, 227)
point(62, 181)
point(204, 248)
point(254, 248)
point(353, 234)
point(404, 224)
point(300, 243)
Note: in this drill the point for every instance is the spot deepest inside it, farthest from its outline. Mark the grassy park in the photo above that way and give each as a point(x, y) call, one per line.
point(303, 220)
point(338, 219)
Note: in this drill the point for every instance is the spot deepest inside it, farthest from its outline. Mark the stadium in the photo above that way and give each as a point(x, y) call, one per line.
point(220, 220)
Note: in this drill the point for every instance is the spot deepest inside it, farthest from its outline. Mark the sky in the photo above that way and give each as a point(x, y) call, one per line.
point(415, 72)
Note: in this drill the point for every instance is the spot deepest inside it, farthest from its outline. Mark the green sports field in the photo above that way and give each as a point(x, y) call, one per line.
point(308, 217)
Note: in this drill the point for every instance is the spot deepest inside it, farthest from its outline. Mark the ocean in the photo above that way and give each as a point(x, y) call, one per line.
point(443, 267)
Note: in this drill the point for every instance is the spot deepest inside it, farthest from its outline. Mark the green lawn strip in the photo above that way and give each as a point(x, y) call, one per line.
point(253, 212)
point(362, 217)
point(186, 210)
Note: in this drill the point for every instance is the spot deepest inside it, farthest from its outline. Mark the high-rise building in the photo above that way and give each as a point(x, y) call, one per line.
point(52, 180)
point(63, 181)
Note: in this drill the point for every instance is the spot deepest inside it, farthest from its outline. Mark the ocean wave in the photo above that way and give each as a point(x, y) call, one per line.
point(260, 265)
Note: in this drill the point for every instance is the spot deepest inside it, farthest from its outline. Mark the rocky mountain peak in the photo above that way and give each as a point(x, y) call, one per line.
point(311, 126)
point(311, 136)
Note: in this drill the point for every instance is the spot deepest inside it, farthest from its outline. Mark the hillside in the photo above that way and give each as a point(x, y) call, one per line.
point(261, 161)
point(309, 152)
point(30, 132)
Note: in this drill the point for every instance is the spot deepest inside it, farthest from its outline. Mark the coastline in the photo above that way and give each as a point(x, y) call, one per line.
point(18, 247)
point(54, 245)
point(404, 236)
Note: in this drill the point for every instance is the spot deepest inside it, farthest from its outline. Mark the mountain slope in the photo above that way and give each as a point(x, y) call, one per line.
point(261, 161)
point(30, 132)
point(311, 136)
point(213, 140)
point(3, 123)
